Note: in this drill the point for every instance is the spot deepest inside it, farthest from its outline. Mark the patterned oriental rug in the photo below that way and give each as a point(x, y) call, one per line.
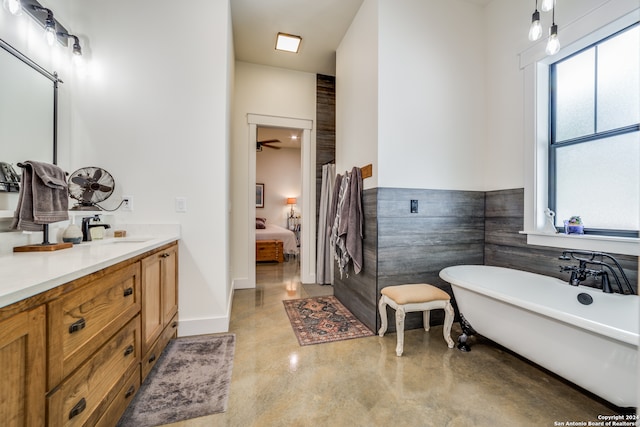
point(323, 319)
point(191, 379)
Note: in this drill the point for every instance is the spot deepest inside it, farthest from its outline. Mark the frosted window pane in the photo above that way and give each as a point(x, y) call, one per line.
point(600, 181)
point(575, 96)
point(619, 81)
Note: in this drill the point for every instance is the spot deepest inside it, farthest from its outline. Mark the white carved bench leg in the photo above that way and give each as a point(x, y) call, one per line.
point(426, 319)
point(400, 314)
point(382, 307)
point(448, 321)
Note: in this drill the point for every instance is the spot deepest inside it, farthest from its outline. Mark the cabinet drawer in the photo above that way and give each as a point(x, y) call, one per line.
point(85, 396)
point(83, 320)
point(122, 399)
point(149, 360)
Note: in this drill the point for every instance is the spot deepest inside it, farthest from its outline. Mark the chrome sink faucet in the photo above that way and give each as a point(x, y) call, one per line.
point(580, 272)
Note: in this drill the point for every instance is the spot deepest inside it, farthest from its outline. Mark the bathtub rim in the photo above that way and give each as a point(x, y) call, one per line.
point(627, 336)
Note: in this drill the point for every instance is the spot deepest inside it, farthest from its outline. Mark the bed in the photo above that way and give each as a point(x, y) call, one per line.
point(275, 232)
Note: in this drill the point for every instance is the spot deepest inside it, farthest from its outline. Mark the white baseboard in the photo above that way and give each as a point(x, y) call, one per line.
point(243, 283)
point(209, 325)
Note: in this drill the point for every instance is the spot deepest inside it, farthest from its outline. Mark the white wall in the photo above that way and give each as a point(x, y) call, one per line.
point(357, 94)
point(431, 105)
point(280, 172)
point(154, 111)
point(267, 91)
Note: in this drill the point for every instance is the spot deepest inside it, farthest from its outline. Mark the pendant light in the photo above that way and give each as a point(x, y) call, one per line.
point(553, 44)
point(547, 5)
point(535, 30)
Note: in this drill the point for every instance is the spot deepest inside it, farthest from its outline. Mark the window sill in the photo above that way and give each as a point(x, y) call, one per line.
point(609, 244)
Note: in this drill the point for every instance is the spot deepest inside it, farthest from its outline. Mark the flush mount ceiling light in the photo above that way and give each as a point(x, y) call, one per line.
point(288, 42)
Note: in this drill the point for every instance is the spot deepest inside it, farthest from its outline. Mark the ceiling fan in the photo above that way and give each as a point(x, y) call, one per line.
point(267, 143)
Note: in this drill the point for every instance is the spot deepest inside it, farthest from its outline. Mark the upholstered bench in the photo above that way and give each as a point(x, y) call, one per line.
point(415, 297)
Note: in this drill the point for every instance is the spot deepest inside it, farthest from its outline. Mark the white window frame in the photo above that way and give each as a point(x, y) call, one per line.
point(608, 20)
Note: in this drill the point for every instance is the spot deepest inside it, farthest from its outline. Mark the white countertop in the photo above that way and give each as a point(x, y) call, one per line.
point(25, 274)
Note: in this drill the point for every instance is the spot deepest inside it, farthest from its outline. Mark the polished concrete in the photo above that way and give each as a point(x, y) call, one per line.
point(361, 382)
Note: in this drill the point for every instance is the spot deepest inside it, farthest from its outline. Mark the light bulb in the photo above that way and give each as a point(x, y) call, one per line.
point(546, 5)
point(50, 35)
point(535, 31)
point(553, 44)
point(13, 6)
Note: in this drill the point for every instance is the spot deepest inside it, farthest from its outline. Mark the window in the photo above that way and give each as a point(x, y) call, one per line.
point(594, 135)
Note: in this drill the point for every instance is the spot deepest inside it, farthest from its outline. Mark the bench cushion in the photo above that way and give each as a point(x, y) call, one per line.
point(415, 293)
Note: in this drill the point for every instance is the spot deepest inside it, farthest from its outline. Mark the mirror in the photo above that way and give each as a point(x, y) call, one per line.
point(28, 115)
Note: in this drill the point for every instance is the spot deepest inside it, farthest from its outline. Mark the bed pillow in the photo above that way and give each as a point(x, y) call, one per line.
point(261, 223)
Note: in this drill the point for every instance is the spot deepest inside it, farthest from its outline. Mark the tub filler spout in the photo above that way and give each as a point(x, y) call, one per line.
point(580, 272)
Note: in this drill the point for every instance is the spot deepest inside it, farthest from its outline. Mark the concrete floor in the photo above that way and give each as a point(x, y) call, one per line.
point(361, 382)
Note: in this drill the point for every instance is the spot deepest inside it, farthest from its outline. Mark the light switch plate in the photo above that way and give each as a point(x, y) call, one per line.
point(181, 204)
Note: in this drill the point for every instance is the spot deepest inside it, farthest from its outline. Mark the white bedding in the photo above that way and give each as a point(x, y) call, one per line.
point(275, 232)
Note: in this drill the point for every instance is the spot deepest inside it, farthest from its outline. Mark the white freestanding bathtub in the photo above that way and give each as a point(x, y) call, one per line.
point(594, 346)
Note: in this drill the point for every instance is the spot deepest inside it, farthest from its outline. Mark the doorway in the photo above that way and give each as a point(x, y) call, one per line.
point(307, 229)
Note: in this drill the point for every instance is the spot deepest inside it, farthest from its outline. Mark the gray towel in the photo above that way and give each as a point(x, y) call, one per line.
point(43, 197)
point(355, 220)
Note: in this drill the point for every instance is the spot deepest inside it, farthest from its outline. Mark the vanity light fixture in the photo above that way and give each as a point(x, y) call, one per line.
point(288, 42)
point(535, 30)
point(14, 7)
point(77, 49)
point(50, 32)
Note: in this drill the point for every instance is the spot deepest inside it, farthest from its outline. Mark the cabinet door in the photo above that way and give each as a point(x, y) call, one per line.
point(22, 369)
point(151, 300)
point(170, 284)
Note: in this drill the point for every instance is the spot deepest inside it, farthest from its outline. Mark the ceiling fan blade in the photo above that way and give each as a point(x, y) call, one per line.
point(270, 146)
point(269, 141)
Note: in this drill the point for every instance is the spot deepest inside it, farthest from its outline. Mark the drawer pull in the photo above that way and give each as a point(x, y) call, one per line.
point(76, 410)
point(152, 358)
point(128, 291)
point(77, 325)
point(129, 392)
point(128, 350)
point(164, 255)
point(174, 325)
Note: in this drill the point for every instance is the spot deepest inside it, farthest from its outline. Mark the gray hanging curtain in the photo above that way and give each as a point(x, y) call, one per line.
point(324, 256)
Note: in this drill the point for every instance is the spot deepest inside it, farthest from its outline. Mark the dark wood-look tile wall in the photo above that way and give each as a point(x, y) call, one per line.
point(450, 228)
point(325, 128)
point(505, 247)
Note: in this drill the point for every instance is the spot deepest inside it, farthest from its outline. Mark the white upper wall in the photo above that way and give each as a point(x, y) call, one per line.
point(357, 94)
point(432, 97)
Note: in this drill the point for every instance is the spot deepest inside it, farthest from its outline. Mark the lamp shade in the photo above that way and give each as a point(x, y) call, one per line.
point(291, 201)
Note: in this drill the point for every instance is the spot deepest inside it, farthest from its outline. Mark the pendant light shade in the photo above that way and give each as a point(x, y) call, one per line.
point(14, 7)
point(547, 5)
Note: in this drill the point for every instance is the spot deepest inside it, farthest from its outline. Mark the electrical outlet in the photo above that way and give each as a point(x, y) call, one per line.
point(127, 203)
point(414, 206)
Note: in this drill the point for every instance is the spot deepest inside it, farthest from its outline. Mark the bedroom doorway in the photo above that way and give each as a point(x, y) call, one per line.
point(307, 189)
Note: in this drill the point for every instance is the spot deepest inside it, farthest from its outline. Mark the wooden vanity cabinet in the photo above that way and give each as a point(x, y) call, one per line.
point(23, 368)
point(71, 356)
point(159, 311)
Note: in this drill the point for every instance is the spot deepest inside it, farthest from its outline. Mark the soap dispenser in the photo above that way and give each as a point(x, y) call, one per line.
point(72, 234)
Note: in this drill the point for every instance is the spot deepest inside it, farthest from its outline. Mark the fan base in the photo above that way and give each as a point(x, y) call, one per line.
point(85, 208)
